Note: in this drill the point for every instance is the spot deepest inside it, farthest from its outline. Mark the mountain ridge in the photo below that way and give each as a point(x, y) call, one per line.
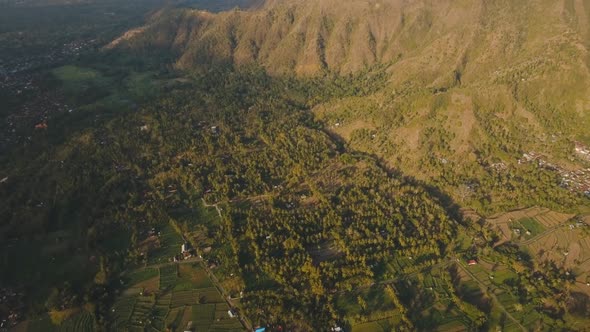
point(309, 37)
point(469, 82)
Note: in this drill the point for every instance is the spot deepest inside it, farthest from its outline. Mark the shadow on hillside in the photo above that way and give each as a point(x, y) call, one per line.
point(446, 201)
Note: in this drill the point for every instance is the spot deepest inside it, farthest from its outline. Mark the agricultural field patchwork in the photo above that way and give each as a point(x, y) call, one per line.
point(371, 309)
point(80, 322)
point(527, 228)
point(522, 225)
point(568, 247)
point(168, 276)
point(195, 303)
point(139, 276)
point(431, 293)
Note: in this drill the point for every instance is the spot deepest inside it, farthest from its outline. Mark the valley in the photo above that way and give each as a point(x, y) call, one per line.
point(295, 166)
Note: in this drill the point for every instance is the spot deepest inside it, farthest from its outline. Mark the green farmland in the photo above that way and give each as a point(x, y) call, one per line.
point(185, 296)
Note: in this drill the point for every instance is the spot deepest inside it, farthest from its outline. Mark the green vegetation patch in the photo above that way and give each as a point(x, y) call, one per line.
point(170, 243)
point(194, 275)
point(210, 295)
point(82, 322)
point(122, 310)
point(453, 325)
point(174, 316)
point(77, 80)
point(184, 298)
point(139, 276)
point(203, 315)
point(41, 324)
point(502, 275)
point(168, 276)
point(384, 325)
point(366, 305)
point(74, 74)
point(507, 300)
point(142, 85)
point(532, 225)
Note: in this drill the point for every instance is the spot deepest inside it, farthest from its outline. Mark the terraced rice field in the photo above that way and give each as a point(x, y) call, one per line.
point(184, 298)
point(221, 311)
point(174, 316)
point(507, 299)
point(204, 314)
point(565, 246)
point(203, 306)
point(552, 218)
point(221, 320)
point(142, 311)
point(395, 265)
point(122, 310)
point(184, 319)
point(536, 220)
point(210, 295)
point(159, 316)
point(160, 311)
point(83, 322)
point(444, 317)
point(196, 277)
point(136, 277)
point(168, 276)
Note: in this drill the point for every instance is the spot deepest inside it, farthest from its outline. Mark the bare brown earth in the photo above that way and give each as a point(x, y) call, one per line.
point(128, 35)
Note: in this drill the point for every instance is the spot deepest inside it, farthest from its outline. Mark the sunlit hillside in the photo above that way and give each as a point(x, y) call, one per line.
point(468, 84)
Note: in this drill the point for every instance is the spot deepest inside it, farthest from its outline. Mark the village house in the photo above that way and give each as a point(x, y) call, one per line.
point(574, 180)
point(184, 248)
point(42, 125)
point(186, 251)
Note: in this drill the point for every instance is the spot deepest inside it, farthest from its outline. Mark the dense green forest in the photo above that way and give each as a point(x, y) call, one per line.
point(237, 136)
